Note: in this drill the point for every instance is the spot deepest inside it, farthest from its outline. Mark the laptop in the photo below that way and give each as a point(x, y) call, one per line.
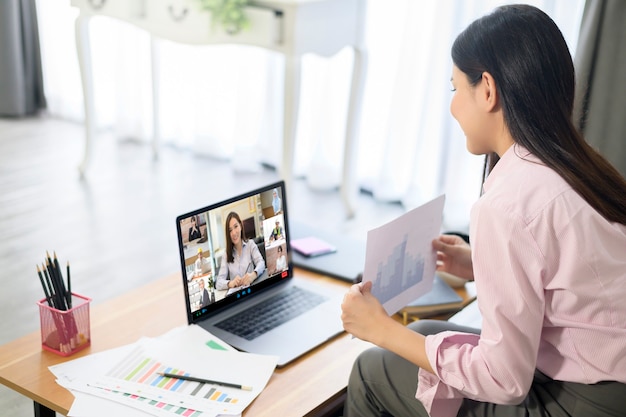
point(250, 297)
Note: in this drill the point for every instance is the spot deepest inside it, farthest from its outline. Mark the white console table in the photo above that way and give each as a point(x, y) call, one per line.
point(292, 27)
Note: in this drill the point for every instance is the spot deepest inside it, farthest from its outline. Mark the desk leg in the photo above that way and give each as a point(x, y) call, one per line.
point(156, 96)
point(349, 187)
point(291, 106)
point(83, 48)
point(43, 411)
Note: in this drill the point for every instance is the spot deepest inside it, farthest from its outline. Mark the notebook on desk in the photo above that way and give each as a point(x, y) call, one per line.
point(276, 313)
point(346, 263)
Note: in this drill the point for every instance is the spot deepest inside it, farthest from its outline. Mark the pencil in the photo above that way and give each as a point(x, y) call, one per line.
point(50, 287)
point(45, 288)
point(64, 294)
point(205, 381)
point(69, 286)
point(59, 298)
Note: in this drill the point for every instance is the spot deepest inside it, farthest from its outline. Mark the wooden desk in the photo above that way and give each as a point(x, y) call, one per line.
point(310, 386)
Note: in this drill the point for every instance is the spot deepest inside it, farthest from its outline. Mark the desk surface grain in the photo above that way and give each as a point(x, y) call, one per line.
point(301, 388)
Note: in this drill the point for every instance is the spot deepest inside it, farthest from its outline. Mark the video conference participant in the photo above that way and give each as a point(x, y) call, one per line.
point(277, 232)
point(243, 262)
point(194, 231)
point(281, 261)
point(202, 264)
point(205, 299)
point(277, 202)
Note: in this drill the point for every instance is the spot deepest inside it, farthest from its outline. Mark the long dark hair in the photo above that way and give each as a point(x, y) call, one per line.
point(230, 253)
point(525, 52)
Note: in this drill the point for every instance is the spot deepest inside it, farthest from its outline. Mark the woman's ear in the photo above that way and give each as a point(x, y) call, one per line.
point(489, 92)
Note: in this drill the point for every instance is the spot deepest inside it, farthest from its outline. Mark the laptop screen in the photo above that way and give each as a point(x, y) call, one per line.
point(234, 249)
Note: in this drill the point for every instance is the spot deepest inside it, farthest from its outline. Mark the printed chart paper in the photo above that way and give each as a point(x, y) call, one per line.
point(399, 258)
point(128, 375)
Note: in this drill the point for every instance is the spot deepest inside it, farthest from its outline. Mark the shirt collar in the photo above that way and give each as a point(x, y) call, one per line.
point(514, 155)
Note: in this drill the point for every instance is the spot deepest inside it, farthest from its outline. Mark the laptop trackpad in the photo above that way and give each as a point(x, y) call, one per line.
point(300, 335)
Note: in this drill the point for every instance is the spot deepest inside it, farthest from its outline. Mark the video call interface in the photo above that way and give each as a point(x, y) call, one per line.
point(258, 223)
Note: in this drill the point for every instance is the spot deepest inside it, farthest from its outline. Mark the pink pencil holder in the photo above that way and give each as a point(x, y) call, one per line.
point(65, 332)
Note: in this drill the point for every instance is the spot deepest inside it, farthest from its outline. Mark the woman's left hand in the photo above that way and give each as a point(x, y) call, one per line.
point(362, 314)
point(248, 278)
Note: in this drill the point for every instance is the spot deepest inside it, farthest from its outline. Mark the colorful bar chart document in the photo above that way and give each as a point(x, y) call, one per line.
point(130, 375)
point(399, 258)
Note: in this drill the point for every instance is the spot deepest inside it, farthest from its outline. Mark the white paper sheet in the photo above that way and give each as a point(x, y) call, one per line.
point(399, 258)
point(107, 375)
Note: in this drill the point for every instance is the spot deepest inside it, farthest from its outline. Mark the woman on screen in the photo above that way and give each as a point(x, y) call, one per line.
point(281, 261)
point(243, 262)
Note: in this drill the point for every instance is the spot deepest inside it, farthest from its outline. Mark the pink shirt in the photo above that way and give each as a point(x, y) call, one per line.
point(551, 282)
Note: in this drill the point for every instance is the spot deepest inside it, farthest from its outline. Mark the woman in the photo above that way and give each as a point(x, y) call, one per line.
point(281, 260)
point(194, 232)
point(277, 202)
point(548, 253)
point(243, 262)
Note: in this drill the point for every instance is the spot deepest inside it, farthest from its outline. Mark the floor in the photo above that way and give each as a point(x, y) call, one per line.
point(116, 225)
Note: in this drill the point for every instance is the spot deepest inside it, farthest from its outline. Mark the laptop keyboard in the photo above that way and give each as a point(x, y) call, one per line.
point(271, 313)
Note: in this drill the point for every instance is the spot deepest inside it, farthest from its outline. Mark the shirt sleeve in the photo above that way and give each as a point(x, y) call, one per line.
point(221, 283)
point(259, 262)
point(498, 366)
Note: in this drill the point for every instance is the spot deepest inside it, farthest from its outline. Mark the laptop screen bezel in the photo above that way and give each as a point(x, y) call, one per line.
point(255, 289)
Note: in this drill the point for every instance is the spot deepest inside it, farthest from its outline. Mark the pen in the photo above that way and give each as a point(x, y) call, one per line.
point(205, 381)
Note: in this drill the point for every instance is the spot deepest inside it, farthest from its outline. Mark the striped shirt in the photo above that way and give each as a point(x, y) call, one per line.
point(550, 274)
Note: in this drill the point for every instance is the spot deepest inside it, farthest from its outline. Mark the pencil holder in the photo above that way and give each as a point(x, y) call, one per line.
point(65, 332)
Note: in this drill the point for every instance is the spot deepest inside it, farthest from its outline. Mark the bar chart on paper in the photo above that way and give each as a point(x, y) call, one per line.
point(144, 370)
point(400, 271)
point(128, 377)
point(400, 261)
point(154, 407)
point(137, 377)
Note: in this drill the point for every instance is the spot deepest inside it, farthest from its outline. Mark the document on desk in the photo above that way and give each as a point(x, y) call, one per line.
point(129, 376)
point(399, 258)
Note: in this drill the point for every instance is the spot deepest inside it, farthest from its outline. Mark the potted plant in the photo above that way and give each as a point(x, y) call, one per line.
point(230, 14)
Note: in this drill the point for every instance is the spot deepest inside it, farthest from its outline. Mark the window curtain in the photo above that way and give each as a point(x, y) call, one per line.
point(601, 79)
point(21, 83)
point(225, 101)
point(417, 151)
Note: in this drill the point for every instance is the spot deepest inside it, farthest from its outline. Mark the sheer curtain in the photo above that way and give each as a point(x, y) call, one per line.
point(226, 100)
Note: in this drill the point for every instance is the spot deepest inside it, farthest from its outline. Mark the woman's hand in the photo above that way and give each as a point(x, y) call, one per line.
point(454, 256)
point(362, 314)
point(235, 282)
point(248, 278)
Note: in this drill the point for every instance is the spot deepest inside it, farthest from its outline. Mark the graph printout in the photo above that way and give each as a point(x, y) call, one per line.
point(137, 374)
point(399, 258)
point(129, 375)
point(91, 400)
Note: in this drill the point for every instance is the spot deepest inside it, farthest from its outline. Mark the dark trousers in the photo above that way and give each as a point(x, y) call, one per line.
point(384, 384)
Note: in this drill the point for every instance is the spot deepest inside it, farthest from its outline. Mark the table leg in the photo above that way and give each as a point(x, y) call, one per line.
point(81, 31)
point(83, 47)
point(43, 411)
point(291, 106)
point(348, 185)
point(156, 95)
